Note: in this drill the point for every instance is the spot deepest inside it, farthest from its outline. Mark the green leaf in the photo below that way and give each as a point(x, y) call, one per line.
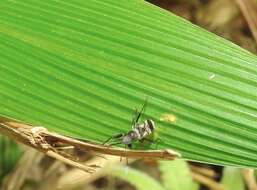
point(176, 175)
point(139, 179)
point(232, 179)
point(80, 68)
point(9, 155)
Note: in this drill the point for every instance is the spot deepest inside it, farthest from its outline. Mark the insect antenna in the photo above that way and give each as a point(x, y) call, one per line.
point(141, 111)
point(135, 115)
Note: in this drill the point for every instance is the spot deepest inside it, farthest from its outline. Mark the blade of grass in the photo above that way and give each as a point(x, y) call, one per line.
point(176, 175)
point(80, 68)
point(139, 179)
point(232, 179)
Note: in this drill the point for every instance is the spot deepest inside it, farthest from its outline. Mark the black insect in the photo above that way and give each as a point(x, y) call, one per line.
point(139, 131)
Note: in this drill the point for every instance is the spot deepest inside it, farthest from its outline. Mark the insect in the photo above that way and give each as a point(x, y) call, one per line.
point(139, 131)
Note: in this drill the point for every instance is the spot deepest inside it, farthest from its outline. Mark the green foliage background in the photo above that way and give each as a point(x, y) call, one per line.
point(81, 67)
point(10, 152)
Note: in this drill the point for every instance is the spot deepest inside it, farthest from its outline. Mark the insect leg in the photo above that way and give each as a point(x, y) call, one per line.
point(126, 154)
point(115, 143)
point(117, 136)
point(152, 141)
point(157, 142)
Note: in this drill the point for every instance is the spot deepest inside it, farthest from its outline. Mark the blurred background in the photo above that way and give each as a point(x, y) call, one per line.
point(26, 169)
point(235, 20)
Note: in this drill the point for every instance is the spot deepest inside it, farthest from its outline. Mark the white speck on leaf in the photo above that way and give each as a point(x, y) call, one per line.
point(212, 76)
